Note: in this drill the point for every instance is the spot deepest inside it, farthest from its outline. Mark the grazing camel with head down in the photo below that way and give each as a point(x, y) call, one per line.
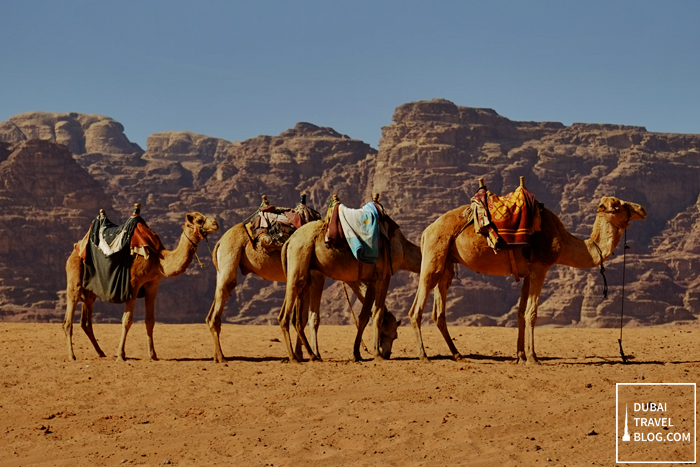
point(145, 272)
point(448, 241)
point(306, 252)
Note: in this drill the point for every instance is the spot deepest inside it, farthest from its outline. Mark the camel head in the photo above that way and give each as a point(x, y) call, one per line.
point(199, 226)
point(620, 213)
point(388, 334)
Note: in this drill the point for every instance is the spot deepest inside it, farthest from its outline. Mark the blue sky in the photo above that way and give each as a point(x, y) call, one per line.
point(236, 70)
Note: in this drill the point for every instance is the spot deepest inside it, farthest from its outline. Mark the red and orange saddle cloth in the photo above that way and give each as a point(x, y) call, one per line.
point(506, 221)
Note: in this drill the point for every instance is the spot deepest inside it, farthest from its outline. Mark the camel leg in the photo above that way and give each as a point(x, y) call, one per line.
point(150, 317)
point(522, 305)
point(86, 320)
point(315, 291)
point(300, 318)
point(439, 306)
point(74, 275)
point(72, 297)
point(284, 317)
point(378, 312)
point(536, 282)
point(127, 321)
point(363, 320)
point(226, 278)
point(296, 260)
point(427, 282)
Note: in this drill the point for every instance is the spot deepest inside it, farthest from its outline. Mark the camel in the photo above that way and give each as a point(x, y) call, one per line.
point(234, 251)
point(448, 241)
point(145, 272)
point(306, 252)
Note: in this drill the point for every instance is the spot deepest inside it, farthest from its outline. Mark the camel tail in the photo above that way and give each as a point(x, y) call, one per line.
point(284, 257)
point(214, 256)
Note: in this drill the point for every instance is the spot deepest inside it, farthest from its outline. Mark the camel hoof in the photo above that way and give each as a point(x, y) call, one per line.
point(458, 357)
point(154, 358)
point(425, 359)
point(533, 361)
point(100, 354)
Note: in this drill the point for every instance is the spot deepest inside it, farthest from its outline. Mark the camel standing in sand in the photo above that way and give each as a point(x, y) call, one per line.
point(145, 273)
point(234, 251)
point(306, 251)
point(449, 240)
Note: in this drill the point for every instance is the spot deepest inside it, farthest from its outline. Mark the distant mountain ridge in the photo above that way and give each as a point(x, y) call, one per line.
point(428, 162)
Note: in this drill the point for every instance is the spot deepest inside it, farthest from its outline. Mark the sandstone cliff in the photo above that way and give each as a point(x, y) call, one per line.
point(428, 162)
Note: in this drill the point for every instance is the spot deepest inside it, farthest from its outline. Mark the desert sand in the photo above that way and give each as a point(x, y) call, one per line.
point(256, 410)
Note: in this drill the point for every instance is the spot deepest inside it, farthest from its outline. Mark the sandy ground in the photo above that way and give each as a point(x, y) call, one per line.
point(256, 410)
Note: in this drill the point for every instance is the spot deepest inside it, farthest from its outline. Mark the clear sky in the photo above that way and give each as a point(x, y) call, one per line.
point(239, 69)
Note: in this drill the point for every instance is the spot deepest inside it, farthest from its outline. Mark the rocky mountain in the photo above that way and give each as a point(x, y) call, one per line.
point(58, 170)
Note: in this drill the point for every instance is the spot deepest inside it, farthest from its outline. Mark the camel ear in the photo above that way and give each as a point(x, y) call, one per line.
point(190, 219)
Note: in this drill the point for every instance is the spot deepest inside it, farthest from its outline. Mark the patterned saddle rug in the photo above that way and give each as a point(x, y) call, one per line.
point(507, 221)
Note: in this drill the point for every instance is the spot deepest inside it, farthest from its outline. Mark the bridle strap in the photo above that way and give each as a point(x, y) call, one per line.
point(602, 270)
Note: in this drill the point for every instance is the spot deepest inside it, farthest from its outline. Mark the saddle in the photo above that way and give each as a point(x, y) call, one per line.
point(107, 252)
point(506, 221)
point(271, 226)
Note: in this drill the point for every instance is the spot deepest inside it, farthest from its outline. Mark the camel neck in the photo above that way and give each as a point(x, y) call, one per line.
point(175, 262)
point(584, 254)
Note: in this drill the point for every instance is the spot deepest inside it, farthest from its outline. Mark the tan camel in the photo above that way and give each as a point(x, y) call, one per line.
point(448, 240)
point(306, 251)
point(145, 273)
point(234, 251)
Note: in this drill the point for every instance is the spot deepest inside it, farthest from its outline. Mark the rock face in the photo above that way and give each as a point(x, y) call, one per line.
point(428, 162)
point(47, 202)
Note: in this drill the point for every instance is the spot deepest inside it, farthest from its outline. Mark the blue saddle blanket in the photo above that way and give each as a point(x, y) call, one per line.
point(361, 229)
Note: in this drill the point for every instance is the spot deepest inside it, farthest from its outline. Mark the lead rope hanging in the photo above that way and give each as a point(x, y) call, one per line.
point(622, 305)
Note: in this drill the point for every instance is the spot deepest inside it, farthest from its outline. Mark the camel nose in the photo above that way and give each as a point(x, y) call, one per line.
point(641, 212)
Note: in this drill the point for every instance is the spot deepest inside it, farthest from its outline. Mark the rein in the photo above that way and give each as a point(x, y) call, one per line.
point(622, 304)
point(602, 270)
point(199, 232)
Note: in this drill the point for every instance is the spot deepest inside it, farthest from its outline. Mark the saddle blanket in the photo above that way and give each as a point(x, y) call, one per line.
point(506, 220)
point(107, 252)
point(358, 229)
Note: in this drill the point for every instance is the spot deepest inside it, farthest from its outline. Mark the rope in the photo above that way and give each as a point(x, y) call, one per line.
point(201, 265)
point(622, 305)
point(352, 312)
point(602, 269)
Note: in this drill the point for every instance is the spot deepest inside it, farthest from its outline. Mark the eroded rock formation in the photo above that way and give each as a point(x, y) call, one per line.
point(428, 162)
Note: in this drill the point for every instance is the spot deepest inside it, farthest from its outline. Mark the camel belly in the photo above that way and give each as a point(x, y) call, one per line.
point(340, 264)
point(472, 250)
point(263, 264)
